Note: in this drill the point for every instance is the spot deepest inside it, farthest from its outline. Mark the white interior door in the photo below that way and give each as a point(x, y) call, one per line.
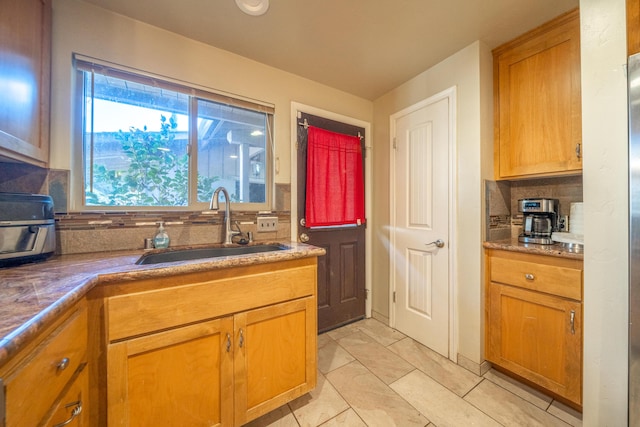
point(420, 223)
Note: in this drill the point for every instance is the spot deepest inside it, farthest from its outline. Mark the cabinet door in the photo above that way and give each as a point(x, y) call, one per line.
point(538, 110)
point(633, 27)
point(73, 408)
point(177, 377)
point(537, 336)
point(276, 356)
point(25, 67)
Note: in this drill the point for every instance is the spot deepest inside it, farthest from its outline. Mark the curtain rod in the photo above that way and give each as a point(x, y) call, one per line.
point(305, 124)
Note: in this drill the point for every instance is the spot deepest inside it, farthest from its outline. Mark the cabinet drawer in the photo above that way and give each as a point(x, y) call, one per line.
point(72, 408)
point(32, 388)
point(157, 309)
point(552, 279)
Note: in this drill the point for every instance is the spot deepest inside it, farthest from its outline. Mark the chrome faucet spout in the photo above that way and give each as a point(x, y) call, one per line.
point(214, 206)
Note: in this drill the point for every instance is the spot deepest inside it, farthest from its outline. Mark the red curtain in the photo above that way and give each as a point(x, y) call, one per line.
point(335, 182)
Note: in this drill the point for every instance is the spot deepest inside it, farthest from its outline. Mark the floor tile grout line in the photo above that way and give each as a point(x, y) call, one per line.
point(373, 373)
point(521, 398)
point(340, 394)
point(368, 332)
point(387, 385)
point(434, 378)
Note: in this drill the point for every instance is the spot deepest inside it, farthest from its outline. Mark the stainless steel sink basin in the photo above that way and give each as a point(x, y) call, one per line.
point(201, 253)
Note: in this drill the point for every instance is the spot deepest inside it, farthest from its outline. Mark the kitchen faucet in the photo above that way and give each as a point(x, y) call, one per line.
point(214, 206)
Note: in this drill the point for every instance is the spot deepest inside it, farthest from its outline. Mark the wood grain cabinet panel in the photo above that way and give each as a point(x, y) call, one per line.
point(275, 357)
point(25, 69)
point(177, 377)
point(633, 27)
point(35, 379)
point(537, 98)
point(535, 332)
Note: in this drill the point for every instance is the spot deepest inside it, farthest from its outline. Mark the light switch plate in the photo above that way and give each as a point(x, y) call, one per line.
point(267, 224)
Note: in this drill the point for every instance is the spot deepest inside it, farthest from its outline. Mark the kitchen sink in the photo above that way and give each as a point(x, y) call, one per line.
point(202, 253)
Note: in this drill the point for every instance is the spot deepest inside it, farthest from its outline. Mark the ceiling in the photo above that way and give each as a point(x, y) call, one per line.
point(363, 47)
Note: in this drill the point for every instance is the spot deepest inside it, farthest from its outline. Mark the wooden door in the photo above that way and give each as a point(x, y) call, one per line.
point(537, 336)
point(538, 101)
point(341, 272)
point(275, 356)
point(420, 223)
point(177, 377)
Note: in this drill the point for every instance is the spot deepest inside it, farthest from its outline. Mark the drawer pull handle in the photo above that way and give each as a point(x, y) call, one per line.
point(529, 276)
point(241, 342)
point(572, 320)
point(228, 342)
point(62, 365)
point(76, 411)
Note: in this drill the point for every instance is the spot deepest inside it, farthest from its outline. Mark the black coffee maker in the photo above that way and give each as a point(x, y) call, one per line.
point(539, 220)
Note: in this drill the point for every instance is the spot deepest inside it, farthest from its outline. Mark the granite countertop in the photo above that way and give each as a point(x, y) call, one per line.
point(551, 250)
point(33, 295)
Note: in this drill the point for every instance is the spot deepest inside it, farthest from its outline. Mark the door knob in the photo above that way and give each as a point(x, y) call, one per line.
point(439, 243)
point(304, 237)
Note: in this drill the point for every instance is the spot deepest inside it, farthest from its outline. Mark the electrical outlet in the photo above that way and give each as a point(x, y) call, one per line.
point(267, 224)
point(563, 223)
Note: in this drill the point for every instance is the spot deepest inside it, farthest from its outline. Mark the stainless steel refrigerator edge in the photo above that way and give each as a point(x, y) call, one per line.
point(634, 239)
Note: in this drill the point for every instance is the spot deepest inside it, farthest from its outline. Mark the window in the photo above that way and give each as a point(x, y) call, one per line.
point(151, 143)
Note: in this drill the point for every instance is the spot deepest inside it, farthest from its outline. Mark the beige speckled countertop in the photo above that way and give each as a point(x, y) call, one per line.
point(551, 250)
point(33, 295)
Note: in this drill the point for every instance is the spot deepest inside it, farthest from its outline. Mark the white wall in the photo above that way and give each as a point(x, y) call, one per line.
point(469, 71)
point(82, 28)
point(604, 135)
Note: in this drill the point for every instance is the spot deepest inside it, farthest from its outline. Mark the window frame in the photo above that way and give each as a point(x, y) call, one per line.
point(195, 92)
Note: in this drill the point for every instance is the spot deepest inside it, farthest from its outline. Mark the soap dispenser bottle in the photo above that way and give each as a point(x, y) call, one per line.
point(161, 239)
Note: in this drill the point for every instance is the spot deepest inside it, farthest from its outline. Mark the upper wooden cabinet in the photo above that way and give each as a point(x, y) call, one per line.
point(633, 27)
point(25, 67)
point(537, 101)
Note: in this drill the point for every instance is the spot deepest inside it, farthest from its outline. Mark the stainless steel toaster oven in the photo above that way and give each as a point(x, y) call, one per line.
point(27, 228)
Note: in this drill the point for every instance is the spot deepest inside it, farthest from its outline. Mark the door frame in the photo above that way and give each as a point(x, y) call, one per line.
point(449, 94)
point(302, 108)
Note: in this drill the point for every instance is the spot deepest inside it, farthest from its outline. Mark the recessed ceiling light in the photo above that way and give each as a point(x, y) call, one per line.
point(253, 7)
point(257, 133)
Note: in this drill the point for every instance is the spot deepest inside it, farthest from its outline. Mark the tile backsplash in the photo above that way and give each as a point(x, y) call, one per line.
point(103, 232)
point(80, 232)
point(502, 216)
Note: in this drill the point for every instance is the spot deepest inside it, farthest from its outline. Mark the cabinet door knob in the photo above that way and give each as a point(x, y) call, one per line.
point(578, 150)
point(529, 276)
point(228, 342)
point(62, 365)
point(241, 339)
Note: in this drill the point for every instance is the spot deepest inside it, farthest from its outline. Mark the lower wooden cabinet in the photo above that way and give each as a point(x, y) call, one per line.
point(250, 350)
point(34, 381)
point(532, 328)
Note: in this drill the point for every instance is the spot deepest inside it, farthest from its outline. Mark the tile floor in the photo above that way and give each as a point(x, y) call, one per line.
point(372, 375)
